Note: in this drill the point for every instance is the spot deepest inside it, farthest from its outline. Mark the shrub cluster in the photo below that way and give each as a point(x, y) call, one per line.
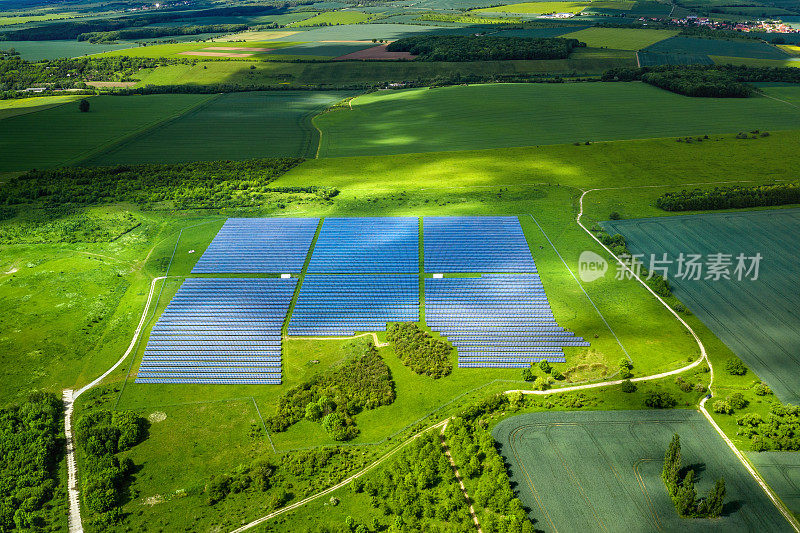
point(419, 351)
point(100, 435)
point(483, 48)
point(681, 487)
point(30, 444)
point(66, 225)
point(196, 185)
point(779, 431)
point(335, 396)
point(733, 197)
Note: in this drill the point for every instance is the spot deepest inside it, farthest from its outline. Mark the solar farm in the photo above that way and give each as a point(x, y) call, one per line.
point(478, 288)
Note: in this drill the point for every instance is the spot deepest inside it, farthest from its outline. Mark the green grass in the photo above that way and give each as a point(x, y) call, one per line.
point(537, 8)
point(231, 126)
point(23, 19)
point(491, 116)
point(333, 18)
point(620, 38)
point(756, 319)
point(21, 106)
point(589, 471)
point(62, 135)
point(176, 49)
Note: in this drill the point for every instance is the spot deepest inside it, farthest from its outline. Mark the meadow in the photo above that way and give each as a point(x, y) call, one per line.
point(501, 115)
point(237, 125)
point(755, 318)
point(620, 38)
point(47, 138)
point(602, 470)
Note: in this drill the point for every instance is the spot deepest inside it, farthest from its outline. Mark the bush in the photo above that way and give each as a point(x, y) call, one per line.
point(614, 215)
point(761, 389)
point(527, 375)
point(625, 373)
point(737, 400)
point(660, 400)
point(723, 407)
point(419, 351)
point(545, 366)
point(735, 367)
point(628, 386)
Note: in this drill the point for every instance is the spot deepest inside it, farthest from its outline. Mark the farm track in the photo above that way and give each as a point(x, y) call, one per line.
point(75, 523)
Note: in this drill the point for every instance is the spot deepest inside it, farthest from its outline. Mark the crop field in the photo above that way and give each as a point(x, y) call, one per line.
point(236, 125)
point(537, 8)
point(782, 471)
point(178, 50)
point(47, 138)
point(718, 47)
point(36, 50)
point(491, 116)
point(649, 59)
point(620, 38)
point(756, 318)
point(602, 471)
point(756, 62)
point(632, 9)
point(333, 18)
point(20, 106)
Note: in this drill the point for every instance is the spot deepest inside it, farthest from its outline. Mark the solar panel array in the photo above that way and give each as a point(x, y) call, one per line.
point(219, 330)
point(342, 305)
point(367, 245)
point(476, 244)
point(259, 245)
point(496, 320)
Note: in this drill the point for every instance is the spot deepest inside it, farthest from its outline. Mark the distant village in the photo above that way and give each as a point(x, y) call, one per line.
point(767, 26)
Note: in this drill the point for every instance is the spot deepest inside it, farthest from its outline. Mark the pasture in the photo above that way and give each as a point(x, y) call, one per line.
point(620, 38)
point(48, 138)
point(719, 47)
point(231, 126)
point(502, 115)
point(602, 471)
point(755, 318)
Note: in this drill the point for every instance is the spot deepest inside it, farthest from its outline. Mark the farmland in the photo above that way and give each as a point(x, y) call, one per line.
point(489, 116)
point(755, 318)
point(21, 106)
point(333, 18)
point(620, 38)
point(537, 8)
point(719, 47)
point(580, 471)
point(239, 125)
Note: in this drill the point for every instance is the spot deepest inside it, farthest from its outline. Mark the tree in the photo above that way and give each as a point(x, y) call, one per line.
point(672, 465)
point(313, 411)
point(627, 386)
point(686, 497)
point(527, 375)
point(660, 400)
point(737, 400)
point(83, 105)
point(735, 367)
point(715, 500)
point(545, 366)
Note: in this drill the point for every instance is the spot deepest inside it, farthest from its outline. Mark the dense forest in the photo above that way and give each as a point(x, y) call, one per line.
point(31, 444)
point(197, 185)
point(730, 197)
point(152, 33)
point(419, 351)
point(483, 48)
point(332, 398)
point(100, 435)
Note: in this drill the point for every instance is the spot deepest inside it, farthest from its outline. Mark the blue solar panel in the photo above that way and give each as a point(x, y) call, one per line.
point(219, 331)
point(259, 245)
point(367, 245)
point(476, 244)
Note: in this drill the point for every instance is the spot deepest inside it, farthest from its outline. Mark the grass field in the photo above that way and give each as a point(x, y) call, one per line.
point(602, 471)
point(756, 319)
point(537, 8)
point(620, 38)
point(231, 126)
point(333, 18)
point(719, 47)
point(36, 50)
point(490, 116)
point(21, 106)
point(48, 138)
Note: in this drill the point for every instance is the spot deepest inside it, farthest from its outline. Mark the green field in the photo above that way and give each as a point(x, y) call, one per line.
point(177, 49)
point(20, 106)
point(596, 471)
point(62, 135)
point(756, 319)
point(648, 59)
point(231, 126)
point(782, 471)
point(491, 116)
point(620, 38)
point(718, 47)
point(537, 8)
point(333, 18)
point(36, 50)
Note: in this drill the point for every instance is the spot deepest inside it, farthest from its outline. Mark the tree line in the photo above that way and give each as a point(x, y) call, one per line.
point(732, 197)
point(152, 33)
point(30, 449)
point(681, 487)
point(332, 398)
point(419, 351)
point(100, 435)
point(483, 48)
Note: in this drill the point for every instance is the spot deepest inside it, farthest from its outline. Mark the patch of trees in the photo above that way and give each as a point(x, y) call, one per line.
point(418, 491)
point(152, 33)
point(196, 185)
point(419, 351)
point(732, 197)
point(483, 48)
point(30, 447)
point(484, 471)
point(100, 435)
point(780, 430)
point(681, 487)
point(334, 397)
point(64, 225)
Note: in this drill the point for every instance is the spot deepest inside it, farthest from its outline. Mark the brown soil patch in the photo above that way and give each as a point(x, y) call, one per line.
point(375, 52)
point(241, 48)
point(213, 54)
point(101, 84)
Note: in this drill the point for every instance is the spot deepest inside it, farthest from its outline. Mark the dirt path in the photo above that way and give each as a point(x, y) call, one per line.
point(446, 449)
point(74, 521)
